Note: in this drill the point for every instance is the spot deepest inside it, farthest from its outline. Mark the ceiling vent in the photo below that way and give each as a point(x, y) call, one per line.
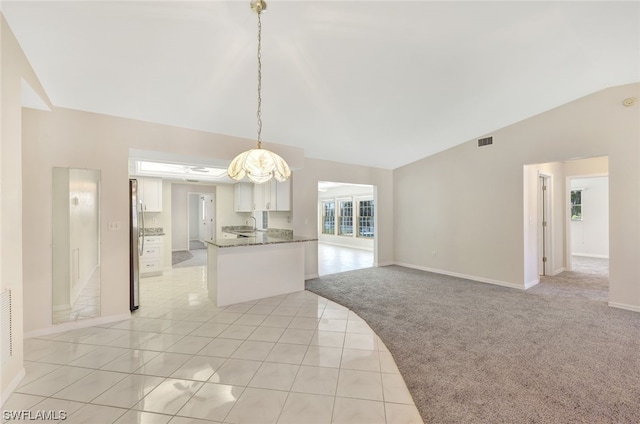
point(485, 141)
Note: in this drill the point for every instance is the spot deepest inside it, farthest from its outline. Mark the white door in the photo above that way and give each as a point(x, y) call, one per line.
point(543, 225)
point(208, 216)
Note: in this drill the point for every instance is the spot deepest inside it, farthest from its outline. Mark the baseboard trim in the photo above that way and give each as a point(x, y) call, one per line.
point(558, 271)
point(61, 307)
point(624, 306)
point(386, 263)
point(366, 249)
point(531, 284)
point(465, 276)
point(311, 276)
point(589, 255)
point(75, 325)
point(12, 386)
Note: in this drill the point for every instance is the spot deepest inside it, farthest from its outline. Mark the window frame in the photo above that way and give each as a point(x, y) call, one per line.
point(324, 219)
point(358, 216)
point(339, 216)
point(575, 206)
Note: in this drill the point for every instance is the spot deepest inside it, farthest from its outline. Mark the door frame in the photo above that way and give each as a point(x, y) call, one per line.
point(568, 236)
point(545, 223)
point(199, 194)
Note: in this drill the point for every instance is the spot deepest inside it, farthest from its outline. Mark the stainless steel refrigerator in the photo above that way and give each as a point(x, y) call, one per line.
point(136, 243)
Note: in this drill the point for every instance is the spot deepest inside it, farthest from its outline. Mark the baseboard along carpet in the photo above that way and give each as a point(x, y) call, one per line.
point(479, 353)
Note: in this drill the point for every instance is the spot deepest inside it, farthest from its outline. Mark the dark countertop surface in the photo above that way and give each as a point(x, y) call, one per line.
point(259, 238)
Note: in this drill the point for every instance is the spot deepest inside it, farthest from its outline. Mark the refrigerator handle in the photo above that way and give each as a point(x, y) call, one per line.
point(141, 229)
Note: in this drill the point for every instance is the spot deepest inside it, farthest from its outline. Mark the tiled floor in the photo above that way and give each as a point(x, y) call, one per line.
point(289, 359)
point(87, 304)
point(333, 259)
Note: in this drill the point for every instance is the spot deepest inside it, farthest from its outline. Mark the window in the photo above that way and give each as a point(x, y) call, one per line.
point(346, 218)
point(365, 218)
point(576, 205)
point(328, 217)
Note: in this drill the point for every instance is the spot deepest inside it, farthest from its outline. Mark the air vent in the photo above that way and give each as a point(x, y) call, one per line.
point(485, 141)
point(192, 181)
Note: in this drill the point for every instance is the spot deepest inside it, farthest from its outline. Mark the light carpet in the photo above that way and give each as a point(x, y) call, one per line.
point(479, 353)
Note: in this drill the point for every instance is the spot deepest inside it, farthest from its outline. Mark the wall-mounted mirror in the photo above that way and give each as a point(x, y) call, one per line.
point(76, 244)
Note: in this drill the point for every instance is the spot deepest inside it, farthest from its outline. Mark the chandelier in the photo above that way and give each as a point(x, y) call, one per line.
point(259, 165)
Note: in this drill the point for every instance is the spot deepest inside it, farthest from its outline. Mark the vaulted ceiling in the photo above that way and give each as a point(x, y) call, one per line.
point(379, 83)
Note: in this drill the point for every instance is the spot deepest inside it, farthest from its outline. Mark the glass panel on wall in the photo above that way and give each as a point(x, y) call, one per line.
point(365, 218)
point(328, 217)
point(346, 218)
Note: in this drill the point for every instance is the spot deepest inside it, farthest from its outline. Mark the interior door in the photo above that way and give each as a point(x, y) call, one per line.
point(208, 216)
point(543, 224)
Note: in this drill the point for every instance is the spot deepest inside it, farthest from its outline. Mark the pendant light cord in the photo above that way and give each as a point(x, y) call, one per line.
point(259, 113)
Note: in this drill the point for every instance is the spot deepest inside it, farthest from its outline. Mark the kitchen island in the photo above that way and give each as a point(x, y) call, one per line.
point(255, 266)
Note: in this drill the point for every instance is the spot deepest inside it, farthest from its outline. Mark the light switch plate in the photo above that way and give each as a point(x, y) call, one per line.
point(114, 225)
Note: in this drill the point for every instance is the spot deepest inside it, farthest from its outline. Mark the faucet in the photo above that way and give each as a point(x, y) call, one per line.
point(255, 223)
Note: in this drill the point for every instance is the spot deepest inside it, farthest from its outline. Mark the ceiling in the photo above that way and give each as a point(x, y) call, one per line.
point(378, 83)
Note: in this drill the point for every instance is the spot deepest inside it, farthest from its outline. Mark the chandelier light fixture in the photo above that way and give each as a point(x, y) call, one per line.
point(259, 165)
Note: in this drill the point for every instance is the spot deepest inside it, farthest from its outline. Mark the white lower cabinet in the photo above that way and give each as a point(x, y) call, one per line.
point(150, 260)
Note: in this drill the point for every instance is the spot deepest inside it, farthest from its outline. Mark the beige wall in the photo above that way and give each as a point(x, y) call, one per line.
point(70, 138)
point(15, 68)
point(305, 204)
point(469, 200)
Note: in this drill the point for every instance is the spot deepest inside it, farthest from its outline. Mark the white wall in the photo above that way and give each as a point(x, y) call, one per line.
point(471, 199)
point(15, 70)
point(282, 220)
point(195, 207)
point(590, 237)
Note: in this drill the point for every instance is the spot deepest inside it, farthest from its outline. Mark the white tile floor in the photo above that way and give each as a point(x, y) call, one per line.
point(296, 359)
point(333, 259)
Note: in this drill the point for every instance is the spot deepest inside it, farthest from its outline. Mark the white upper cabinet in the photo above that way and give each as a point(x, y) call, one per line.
point(150, 193)
point(273, 196)
point(262, 196)
point(243, 197)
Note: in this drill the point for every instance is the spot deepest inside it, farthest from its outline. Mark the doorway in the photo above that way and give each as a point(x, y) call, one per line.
point(588, 224)
point(201, 220)
point(346, 227)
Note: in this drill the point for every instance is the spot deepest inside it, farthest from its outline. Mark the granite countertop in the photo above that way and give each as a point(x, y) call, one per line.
point(259, 238)
point(153, 232)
